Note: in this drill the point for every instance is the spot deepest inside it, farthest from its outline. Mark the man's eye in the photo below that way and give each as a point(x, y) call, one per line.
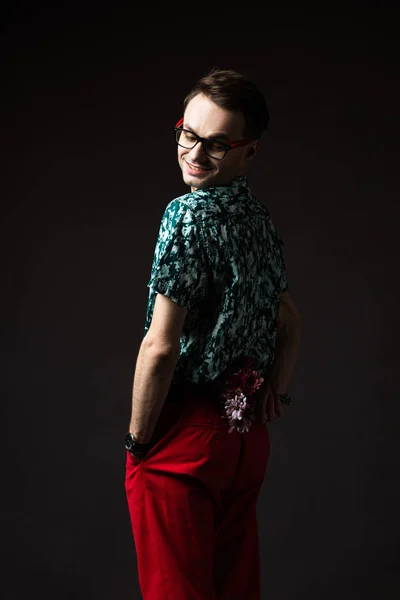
point(217, 146)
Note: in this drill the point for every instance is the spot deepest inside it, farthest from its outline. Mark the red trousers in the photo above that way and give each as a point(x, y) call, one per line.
point(192, 504)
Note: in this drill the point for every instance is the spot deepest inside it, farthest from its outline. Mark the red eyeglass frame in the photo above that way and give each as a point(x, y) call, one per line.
point(227, 146)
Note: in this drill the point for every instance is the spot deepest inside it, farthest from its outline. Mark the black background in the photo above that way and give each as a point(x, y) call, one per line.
point(88, 159)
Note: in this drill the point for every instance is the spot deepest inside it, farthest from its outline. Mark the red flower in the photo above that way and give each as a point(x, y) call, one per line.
point(246, 380)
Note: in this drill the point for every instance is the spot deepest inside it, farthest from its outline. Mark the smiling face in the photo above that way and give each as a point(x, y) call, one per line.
point(206, 119)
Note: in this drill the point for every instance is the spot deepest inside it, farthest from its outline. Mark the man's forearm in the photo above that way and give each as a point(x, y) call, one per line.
point(152, 380)
point(286, 354)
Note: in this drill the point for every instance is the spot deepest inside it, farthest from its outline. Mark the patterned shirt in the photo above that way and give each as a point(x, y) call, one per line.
point(219, 255)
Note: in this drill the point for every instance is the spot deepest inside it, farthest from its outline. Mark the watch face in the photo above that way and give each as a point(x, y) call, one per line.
point(129, 442)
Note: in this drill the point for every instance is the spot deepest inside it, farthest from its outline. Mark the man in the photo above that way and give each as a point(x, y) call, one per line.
point(218, 292)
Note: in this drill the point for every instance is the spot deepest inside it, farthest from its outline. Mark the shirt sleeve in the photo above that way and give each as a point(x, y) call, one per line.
point(179, 264)
point(283, 278)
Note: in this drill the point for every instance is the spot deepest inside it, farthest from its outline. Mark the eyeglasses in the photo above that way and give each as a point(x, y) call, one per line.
point(213, 148)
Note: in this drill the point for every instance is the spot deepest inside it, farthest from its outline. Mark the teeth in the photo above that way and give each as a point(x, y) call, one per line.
point(197, 168)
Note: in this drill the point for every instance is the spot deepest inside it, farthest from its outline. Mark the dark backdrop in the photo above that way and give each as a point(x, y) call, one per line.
point(90, 100)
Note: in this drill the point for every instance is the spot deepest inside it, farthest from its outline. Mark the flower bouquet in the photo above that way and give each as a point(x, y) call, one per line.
point(238, 387)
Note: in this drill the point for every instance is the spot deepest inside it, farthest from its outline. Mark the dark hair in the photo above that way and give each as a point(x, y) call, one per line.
point(232, 91)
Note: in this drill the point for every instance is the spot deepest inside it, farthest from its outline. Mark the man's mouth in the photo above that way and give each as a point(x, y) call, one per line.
point(196, 168)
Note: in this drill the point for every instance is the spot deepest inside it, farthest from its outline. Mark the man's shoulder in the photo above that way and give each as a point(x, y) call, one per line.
point(198, 203)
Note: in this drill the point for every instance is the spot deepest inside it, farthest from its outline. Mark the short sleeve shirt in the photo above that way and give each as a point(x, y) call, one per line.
point(219, 255)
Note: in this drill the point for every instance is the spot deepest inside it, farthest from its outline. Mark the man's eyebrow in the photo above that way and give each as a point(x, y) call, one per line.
point(219, 134)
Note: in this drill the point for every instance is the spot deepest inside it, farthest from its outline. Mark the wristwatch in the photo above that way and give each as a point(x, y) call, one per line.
point(133, 446)
point(285, 399)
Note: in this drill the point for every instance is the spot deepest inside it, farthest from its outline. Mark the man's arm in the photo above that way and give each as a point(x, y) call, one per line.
point(286, 353)
point(152, 381)
point(286, 345)
point(155, 366)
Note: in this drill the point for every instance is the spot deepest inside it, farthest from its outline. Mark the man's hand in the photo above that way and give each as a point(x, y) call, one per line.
point(272, 407)
point(268, 405)
point(139, 454)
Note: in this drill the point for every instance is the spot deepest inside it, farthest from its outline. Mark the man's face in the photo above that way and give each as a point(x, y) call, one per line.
point(206, 119)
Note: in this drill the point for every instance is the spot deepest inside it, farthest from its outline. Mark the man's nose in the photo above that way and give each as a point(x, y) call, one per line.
point(197, 153)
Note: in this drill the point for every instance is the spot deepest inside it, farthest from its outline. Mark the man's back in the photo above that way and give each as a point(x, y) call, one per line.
point(219, 254)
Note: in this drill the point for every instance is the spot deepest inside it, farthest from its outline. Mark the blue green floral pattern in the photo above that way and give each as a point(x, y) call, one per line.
point(219, 255)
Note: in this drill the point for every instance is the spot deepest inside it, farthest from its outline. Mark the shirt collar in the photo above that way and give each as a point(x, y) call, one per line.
point(238, 185)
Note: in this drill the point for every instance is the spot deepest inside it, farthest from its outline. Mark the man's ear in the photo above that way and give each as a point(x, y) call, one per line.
point(252, 150)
